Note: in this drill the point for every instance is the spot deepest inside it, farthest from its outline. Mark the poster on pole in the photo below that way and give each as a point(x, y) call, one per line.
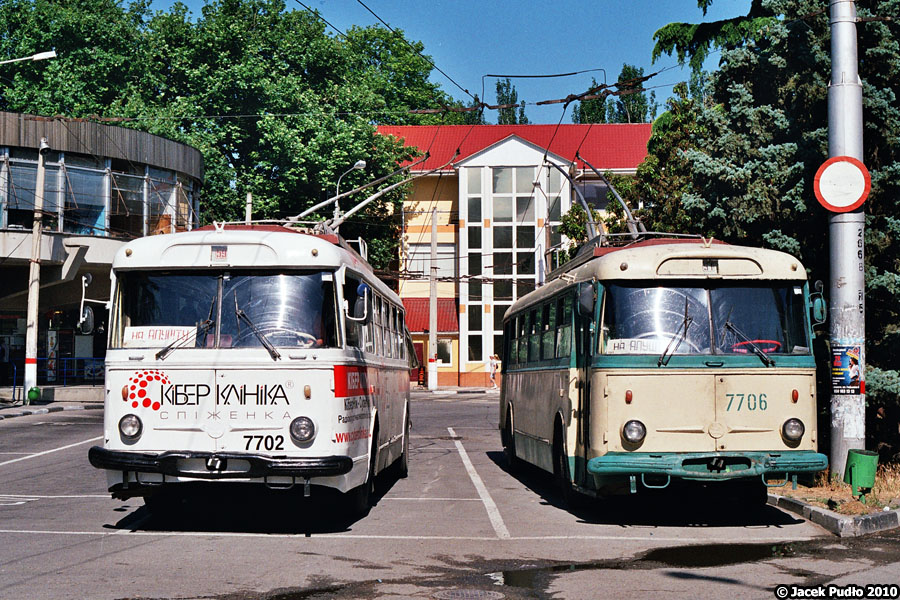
point(846, 374)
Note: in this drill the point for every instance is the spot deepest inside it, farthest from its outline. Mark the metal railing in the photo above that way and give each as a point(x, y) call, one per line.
point(60, 371)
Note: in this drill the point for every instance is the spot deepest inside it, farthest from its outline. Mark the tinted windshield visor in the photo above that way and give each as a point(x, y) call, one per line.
point(728, 319)
point(200, 309)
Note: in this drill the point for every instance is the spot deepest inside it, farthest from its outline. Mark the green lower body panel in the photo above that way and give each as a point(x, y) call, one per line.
point(708, 466)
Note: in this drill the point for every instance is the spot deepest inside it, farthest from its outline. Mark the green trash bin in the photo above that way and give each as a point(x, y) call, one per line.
point(860, 470)
point(33, 395)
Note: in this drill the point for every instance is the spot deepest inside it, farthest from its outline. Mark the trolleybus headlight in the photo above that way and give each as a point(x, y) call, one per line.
point(130, 427)
point(634, 432)
point(793, 430)
point(302, 430)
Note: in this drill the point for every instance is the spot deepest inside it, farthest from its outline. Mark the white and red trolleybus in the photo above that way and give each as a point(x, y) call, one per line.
point(255, 354)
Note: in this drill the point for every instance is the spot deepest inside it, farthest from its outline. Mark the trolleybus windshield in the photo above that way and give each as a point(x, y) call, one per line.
point(194, 309)
point(727, 319)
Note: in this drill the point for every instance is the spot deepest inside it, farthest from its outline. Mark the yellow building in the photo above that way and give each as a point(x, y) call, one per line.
point(496, 202)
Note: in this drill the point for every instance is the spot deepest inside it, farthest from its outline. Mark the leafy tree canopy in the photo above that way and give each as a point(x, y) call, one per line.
point(277, 106)
point(633, 105)
point(506, 94)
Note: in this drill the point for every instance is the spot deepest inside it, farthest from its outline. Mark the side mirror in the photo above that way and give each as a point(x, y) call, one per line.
point(586, 300)
point(817, 304)
point(86, 323)
point(361, 305)
point(819, 308)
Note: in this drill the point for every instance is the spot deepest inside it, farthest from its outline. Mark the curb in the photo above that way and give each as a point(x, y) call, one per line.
point(24, 411)
point(838, 524)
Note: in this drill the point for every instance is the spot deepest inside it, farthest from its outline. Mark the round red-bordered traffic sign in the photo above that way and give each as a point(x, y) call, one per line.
point(842, 184)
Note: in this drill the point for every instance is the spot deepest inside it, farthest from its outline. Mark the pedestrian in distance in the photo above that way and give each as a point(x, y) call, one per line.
point(495, 365)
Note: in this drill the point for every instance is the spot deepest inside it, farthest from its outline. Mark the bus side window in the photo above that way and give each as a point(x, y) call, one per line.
point(564, 331)
point(376, 323)
point(548, 343)
point(512, 348)
point(352, 328)
point(401, 327)
point(607, 325)
point(395, 352)
point(523, 338)
point(534, 339)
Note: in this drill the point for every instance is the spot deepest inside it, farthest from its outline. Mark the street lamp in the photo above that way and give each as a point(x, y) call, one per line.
point(34, 276)
point(34, 270)
point(360, 164)
point(33, 57)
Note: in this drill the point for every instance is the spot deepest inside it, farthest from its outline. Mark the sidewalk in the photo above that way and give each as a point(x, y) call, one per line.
point(81, 397)
point(53, 399)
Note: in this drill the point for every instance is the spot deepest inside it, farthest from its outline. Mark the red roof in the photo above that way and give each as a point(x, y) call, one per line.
point(417, 315)
point(606, 146)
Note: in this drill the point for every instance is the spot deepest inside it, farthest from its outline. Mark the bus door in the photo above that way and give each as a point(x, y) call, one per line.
point(585, 315)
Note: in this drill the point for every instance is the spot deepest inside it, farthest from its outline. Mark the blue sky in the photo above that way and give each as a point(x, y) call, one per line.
point(468, 39)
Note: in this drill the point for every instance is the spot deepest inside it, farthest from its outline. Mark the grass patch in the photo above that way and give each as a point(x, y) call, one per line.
point(834, 494)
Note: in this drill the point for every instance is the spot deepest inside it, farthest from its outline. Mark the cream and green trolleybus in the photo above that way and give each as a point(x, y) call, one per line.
point(664, 360)
point(255, 355)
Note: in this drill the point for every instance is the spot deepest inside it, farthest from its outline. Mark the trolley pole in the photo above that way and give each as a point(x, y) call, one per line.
point(432, 306)
point(846, 231)
point(34, 276)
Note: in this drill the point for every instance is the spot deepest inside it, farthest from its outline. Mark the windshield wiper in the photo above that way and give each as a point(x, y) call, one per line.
point(184, 337)
point(756, 349)
point(259, 334)
point(682, 329)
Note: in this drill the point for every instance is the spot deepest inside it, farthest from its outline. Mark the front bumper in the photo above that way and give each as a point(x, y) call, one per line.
point(708, 466)
point(253, 465)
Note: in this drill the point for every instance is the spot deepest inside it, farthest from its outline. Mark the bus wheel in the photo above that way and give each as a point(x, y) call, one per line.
point(573, 498)
point(401, 467)
point(361, 496)
point(509, 443)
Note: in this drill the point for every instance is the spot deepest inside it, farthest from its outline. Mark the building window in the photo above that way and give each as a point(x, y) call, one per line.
point(419, 261)
point(475, 348)
point(445, 351)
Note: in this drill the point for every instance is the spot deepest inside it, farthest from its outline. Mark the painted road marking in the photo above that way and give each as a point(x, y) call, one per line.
point(15, 460)
point(344, 536)
point(490, 507)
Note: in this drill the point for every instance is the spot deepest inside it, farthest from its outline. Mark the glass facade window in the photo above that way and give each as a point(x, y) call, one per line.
point(85, 209)
point(474, 237)
point(503, 209)
point(475, 317)
point(475, 210)
point(476, 353)
point(419, 261)
point(89, 195)
point(474, 289)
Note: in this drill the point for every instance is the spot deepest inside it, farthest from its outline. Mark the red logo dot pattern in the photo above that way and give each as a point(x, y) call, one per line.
point(137, 388)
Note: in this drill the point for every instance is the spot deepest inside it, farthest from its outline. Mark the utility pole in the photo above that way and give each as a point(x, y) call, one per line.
point(432, 306)
point(34, 276)
point(248, 208)
point(846, 231)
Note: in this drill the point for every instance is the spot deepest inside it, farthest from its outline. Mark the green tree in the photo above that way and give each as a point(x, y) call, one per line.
point(695, 41)
point(595, 110)
point(506, 94)
point(277, 106)
point(95, 41)
point(631, 105)
point(573, 225)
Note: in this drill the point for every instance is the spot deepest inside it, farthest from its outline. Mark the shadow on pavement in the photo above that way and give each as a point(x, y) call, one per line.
point(237, 508)
point(682, 504)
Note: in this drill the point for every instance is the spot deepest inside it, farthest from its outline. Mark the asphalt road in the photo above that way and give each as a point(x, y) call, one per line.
point(461, 526)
